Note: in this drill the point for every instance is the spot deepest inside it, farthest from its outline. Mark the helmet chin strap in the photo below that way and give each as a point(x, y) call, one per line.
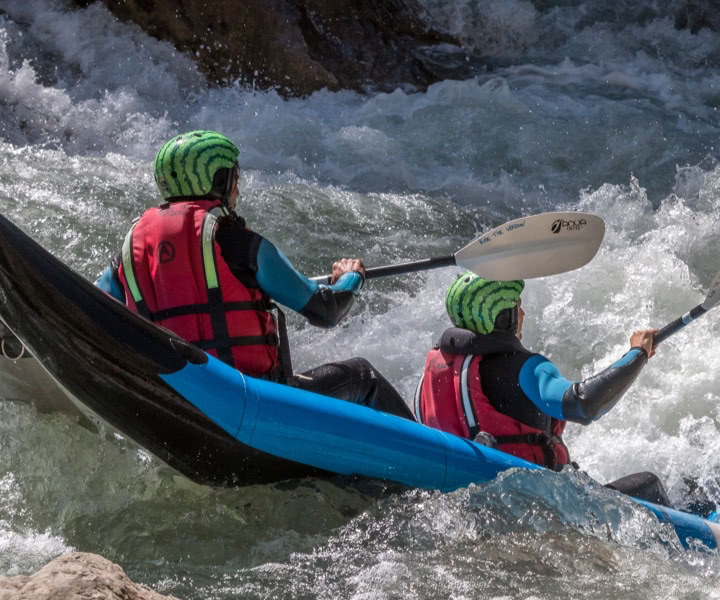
point(230, 181)
point(514, 320)
point(507, 320)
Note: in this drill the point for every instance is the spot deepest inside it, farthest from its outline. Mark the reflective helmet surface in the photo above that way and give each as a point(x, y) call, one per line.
point(474, 303)
point(186, 165)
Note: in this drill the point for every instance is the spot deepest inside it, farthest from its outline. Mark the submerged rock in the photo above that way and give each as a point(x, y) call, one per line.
point(295, 46)
point(77, 576)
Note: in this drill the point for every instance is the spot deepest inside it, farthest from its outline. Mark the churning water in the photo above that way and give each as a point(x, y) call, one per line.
point(612, 111)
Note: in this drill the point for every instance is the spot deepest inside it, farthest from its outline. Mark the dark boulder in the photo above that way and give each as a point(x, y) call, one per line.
point(697, 15)
point(296, 46)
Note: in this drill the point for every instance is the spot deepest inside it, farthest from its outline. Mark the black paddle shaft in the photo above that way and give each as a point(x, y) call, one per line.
point(424, 264)
point(678, 324)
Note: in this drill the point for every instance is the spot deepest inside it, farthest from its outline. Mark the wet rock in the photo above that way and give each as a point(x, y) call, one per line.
point(697, 15)
point(76, 576)
point(295, 46)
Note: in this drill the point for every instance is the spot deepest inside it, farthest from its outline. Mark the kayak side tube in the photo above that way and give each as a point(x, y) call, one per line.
point(335, 435)
point(341, 437)
point(689, 528)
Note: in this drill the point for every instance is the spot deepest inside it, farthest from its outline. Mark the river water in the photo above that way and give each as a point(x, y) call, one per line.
point(612, 111)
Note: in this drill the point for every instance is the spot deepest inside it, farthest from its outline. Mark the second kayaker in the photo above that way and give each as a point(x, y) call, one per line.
point(481, 383)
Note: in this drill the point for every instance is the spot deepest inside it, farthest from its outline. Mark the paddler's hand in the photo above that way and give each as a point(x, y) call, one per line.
point(346, 265)
point(644, 339)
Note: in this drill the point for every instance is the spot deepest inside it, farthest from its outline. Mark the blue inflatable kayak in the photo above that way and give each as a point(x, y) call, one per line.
point(211, 422)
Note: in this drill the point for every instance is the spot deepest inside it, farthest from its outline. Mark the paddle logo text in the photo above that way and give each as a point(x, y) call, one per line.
point(568, 225)
point(500, 231)
point(513, 226)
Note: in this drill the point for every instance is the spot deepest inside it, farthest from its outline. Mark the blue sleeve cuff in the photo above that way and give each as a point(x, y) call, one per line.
point(627, 358)
point(108, 284)
point(348, 282)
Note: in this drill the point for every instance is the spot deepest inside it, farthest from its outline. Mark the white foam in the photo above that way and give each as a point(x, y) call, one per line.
point(612, 113)
point(22, 549)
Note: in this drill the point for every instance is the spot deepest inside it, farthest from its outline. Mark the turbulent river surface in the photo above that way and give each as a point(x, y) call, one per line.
point(612, 111)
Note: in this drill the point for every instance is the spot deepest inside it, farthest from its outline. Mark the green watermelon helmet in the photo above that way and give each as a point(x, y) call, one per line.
point(475, 303)
point(187, 164)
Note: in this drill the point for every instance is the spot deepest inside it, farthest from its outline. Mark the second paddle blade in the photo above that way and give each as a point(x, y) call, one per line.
point(535, 246)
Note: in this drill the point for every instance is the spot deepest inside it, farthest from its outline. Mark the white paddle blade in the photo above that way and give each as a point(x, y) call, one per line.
point(713, 295)
point(535, 246)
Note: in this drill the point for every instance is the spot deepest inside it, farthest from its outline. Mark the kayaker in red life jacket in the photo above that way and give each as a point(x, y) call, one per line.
point(481, 383)
point(192, 266)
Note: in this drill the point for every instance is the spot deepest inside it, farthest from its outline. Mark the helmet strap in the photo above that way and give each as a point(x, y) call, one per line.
point(507, 320)
point(230, 181)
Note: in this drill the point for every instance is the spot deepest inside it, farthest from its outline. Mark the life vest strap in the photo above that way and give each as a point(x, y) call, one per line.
point(246, 340)
point(286, 368)
point(545, 440)
point(528, 438)
point(129, 269)
point(193, 309)
point(466, 398)
point(419, 417)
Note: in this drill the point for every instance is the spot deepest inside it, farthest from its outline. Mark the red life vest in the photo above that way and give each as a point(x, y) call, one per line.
point(450, 398)
point(174, 274)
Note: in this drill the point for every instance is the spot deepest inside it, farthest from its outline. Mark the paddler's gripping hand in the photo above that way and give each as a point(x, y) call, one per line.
point(347, 265)
point(644, 338)
point(330, 303)
point(322, 305)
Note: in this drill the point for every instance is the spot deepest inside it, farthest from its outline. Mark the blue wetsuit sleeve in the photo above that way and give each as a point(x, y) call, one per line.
point(108, 283)
point(322, 305)
point(581, 402)
point(542, 382)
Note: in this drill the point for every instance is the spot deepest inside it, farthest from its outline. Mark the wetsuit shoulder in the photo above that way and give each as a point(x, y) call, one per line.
point(501, 383)
point(239, 248)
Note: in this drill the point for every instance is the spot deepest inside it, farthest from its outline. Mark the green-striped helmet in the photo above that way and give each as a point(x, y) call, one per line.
point(474, 303)
point(186, 165)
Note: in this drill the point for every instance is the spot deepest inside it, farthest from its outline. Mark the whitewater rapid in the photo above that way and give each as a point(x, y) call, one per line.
point(614, 113)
